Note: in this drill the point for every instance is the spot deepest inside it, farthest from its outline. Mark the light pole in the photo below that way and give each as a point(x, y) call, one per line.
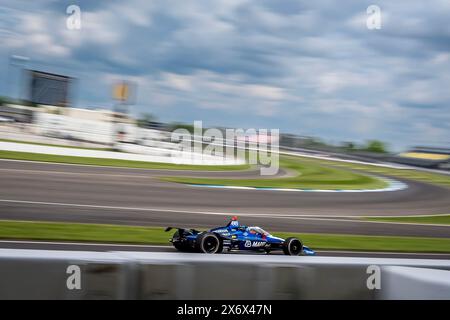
point(121, 93)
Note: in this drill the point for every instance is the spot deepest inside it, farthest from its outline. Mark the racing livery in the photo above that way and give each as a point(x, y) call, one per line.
point(234, 236)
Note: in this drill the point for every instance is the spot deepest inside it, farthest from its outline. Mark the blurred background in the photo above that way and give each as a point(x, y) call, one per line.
point(90, 92)
point(316, 72)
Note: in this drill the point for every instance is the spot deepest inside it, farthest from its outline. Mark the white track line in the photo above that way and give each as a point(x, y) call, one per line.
point(384, 252)
point(116, 207)
point(77, 173)
point(83, 243)
point(410, 216)
point(131, 168)
point(393, 185)
point(264, 215)
point(102, 244)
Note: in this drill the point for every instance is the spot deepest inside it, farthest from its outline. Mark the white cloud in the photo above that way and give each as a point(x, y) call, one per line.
point(177, 81)
point(34, 31)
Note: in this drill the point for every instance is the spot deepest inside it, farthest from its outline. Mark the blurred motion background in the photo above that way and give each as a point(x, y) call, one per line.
point(96, 84)
point(313, 70)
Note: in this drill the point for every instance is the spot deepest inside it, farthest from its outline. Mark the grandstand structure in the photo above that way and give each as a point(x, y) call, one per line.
point(17, 112)
point(428, 157)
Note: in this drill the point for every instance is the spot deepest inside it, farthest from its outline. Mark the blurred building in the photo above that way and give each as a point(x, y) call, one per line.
point(98, 115)
point(18, 113)
point(428, 157)
point(97, 126)
point(296, 141)
point(49, 89)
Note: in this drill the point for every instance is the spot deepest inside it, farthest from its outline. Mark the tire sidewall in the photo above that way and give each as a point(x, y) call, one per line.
point(202, 239)
point(287, 247)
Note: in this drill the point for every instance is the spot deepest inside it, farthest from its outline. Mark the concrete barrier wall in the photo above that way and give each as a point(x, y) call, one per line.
point(38, 274)
point(415, 283)
point(148, 154)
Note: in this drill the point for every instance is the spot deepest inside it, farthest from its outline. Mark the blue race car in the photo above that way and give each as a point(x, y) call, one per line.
point(235, 237)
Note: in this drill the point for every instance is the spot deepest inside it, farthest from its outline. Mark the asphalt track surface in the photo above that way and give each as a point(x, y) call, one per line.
point(75, 193)
point(102, 247)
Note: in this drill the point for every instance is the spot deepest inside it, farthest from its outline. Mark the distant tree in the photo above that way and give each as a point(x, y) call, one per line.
point(376, 146)
point(177, 125)
point(5, 100)
point(29, 103)
point(315, 142)
point(145, 120)
point(348, 145)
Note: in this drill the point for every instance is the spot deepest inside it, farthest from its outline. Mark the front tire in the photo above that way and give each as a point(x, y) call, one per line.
point(208, 242)
point(292, 247)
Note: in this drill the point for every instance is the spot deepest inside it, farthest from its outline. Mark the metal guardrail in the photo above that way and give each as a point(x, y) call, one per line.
point(40, 274)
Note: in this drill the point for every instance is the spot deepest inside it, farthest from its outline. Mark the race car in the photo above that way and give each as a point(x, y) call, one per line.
point(234, 236)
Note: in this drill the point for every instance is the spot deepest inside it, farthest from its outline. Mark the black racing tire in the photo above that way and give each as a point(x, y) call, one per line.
point(292, 247)
point(209, 242)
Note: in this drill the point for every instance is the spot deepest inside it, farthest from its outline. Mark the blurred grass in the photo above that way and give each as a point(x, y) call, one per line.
point(423, 176)
point(56, 231)
point(315, 173)
point(82, 232)
point(114, 162)
point(309, 176)
point(372, 243)
point(443, 219)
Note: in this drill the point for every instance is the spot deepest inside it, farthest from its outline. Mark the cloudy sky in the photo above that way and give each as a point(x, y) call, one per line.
point(305, 67)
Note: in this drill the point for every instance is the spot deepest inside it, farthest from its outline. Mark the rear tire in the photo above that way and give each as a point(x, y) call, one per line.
point(292, 247)
point(208, 242)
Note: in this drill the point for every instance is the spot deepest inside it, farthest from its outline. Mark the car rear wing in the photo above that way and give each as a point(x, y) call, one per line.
point(182, 231)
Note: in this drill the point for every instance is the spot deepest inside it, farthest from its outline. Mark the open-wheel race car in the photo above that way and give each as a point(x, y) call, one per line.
point(234, 236)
